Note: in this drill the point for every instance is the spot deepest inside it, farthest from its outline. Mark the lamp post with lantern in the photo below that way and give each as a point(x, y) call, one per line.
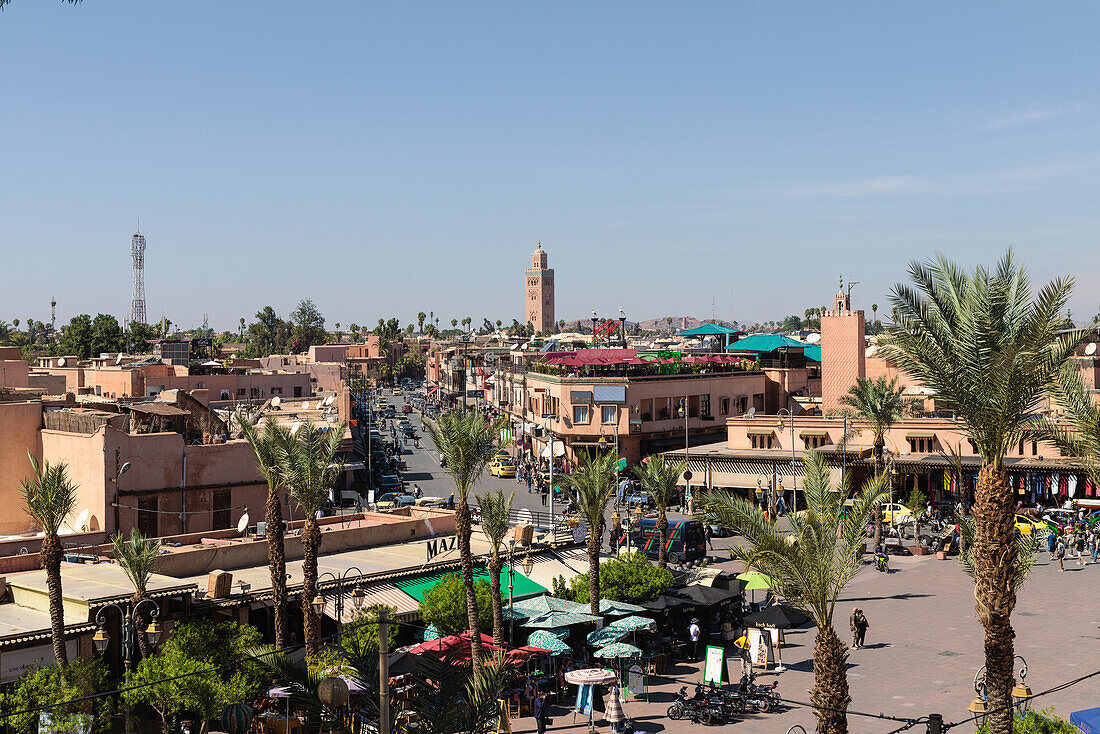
point(1021, 694)
point(527, 565)
point(129, 619)
point(358, 595)
point(789, 413)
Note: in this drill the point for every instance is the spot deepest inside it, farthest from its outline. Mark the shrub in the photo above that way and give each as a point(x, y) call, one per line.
point(1038, 722)
point(629, 577)
point(444, 605)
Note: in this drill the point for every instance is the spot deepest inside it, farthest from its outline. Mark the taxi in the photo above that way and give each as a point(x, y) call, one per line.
point(502, 467)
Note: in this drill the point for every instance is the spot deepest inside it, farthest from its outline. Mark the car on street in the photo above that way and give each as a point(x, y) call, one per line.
point(390, 483)
point(505, 468)
point(1030, 526)
point(408, 432)
point(393, 500)
point(895, 512)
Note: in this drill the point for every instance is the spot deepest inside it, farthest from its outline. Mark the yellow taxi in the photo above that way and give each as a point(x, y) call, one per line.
point(895, 512)
point(1028, 526)
point(502, 467)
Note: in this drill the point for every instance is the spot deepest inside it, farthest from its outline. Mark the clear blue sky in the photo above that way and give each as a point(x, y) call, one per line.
point(386, 158)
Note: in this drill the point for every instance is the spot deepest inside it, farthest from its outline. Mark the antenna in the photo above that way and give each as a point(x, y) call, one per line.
point(53, 313)
point(850, 284)
point(137, 252)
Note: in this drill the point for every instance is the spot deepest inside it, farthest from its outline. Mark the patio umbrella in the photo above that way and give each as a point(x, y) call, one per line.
point(606, 636)
point(707, 596)
point(755, 580)
point(544, 605)
point(665, 603)
point(618, 650)
point(548, 641)
point(618, 608)
point(779, 616)
point(590, 676)
point(401, 663)
point(431, 633)
point(521, 654)
point(559, 619)
point(633, 623)
point(459, 645)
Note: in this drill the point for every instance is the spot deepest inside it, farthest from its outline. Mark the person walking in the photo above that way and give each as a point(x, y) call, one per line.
point(859, 625)
point(538, 710)
point(1060, 553)
point(1095, 543)
point(1080, 539)
point(1052, 543)
point(694, 633)
point(707, 535)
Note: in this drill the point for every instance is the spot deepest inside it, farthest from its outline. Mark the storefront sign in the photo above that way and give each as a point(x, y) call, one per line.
point(712, 666)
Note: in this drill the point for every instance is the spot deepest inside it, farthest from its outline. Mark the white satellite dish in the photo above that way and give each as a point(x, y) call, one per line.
point(1090, 349)
point(242, 524)
point(118, 359)
point(751, 413)
point(305, 405)
point(295, 427)
point(60, 361)
point(81, 520)
point(870, 351)
point(275, 401)
point(330, 399)
point(813, 338)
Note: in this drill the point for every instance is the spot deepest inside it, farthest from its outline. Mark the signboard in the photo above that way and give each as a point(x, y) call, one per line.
point(636, 689)
point(16, 662)
point(439, 546)
point(760, 647)
point(580, 397)
point(609, 393)
point(712, 664)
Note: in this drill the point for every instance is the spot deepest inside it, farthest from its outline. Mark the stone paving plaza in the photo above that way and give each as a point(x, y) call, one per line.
point(923, 648)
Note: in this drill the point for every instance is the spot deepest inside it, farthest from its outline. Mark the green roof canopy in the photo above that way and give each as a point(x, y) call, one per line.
point(763, 343)
point(710, 330)
point(522, 587)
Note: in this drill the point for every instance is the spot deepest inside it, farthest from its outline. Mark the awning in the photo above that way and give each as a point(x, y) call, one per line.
point(761, 431)
point(381, 593)
point(814, 432)
point(920, 434)
point(522, 587)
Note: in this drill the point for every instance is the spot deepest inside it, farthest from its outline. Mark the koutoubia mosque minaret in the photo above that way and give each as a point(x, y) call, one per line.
point(539, 286)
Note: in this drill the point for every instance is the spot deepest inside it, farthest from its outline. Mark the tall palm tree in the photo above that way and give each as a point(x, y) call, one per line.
point(659, 479)
point(591, 489)
point(420, 320)
point(879, 403)
point(270, 445)
point(989, 348)
point(466, 442)
point(49, 497)
point(310, 472)
point(495, 508)
point(137, 556)
point(812, 572)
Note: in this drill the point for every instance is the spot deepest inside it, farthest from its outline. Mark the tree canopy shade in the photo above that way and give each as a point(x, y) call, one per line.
point(628, 577)
point(308, 326)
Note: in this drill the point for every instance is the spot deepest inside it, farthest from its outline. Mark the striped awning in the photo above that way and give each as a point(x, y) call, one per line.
point(381, 593)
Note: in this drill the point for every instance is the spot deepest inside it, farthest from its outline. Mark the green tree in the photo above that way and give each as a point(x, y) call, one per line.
point(454, 323)
point(46, 686)
point(138, 557)
point(495, 509)
point(420, 320)
point(107, 335)
point(659, 479)
point(989, 349)
point(49, 497)
point(307, 326)
point(446, 607)
point(140, 336)
point(812, 572)
point(879, 404)
point(268, 335)
point(628, 577)
point(270, 446)
point(310, 472)
point(198, 646)
point(591, 488)
point(466, 441)
point(76, 339)
point(361, 631)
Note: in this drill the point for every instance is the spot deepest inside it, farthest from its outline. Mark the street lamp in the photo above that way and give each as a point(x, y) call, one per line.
point(528, 564)
point(1021, 694)
point(358, 595)
point(683, 410)
point(595, 318)
point(129, 634)
point(794, 485)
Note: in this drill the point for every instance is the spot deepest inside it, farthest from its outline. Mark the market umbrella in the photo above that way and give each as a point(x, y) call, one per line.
point(707, 596)
point(666, 603)
point(634, 623)
point(618, 608)
point(457, 645)
point(755, 580)
point(606, 636)
point(559, 619)
point(590, 676)
point(779, 616)
point(548, 641)
point(618, 650)
point(521, 654)
point(401, 663)
point(540, 605)
point(431, 633)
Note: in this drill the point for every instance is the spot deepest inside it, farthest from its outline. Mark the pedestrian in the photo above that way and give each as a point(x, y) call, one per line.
point(529, 482)
point(694, 633)
point(1060, 553)
point(538, 710)
point(1095, 543)
point(1081, 546)
point(859, 625)
point(417, 491)
point(707, 535)
point(1052, 543)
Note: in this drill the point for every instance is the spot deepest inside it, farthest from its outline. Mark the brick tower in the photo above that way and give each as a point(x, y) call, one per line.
point(539, 285)
point(843, 358)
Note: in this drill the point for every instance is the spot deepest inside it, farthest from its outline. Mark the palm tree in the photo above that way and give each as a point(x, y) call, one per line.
point(659, 479)
point(454, 323)
point(880, 403)
point(812, 572)
point(466, 441)
point(989, 348)
point(874, 312)
point(137, 556)
point(270, 445)
point(420, 321)
point(590, 488)
point(49, 497)
point(309, 469)
point(495, 508)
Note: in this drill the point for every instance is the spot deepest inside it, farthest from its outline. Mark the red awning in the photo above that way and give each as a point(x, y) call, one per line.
point(458, 645)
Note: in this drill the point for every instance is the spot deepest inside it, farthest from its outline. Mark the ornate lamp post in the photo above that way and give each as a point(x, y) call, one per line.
point(794, 485)
point(357, 596)
point(129, 634)
point(1021, 694)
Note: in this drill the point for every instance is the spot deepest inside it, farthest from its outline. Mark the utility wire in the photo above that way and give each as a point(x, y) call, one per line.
point(1055, 689)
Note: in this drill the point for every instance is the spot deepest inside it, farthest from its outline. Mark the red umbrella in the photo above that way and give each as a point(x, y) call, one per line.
point(458, 645)
point(520, 654)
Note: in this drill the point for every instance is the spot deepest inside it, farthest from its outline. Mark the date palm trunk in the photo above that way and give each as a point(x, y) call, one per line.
point(880, 444)
point(311, 540)
point(594, 568)
point(995, 558)
point(462, 529)
point(140, 623)
point(830, 691)
point(51, 561)
point(662, 530)
point(276, 559)
point(495, 564)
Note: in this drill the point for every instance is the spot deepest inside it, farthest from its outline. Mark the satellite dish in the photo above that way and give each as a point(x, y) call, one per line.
point(81, 520)
point(751, 413)
point(813, 338)
point(242, 524)
point(1090, 349)
point(60, 361)
point(118, 359)
point(330, 399)
point(295, 427)
point(276, 401)
point(870, 351)
point(305, 405)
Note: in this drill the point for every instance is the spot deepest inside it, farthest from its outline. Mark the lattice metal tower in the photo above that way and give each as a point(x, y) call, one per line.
point(137, 250)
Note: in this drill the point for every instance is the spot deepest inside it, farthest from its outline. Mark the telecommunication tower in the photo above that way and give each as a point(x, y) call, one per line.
point(137, 250)
point(53, 313)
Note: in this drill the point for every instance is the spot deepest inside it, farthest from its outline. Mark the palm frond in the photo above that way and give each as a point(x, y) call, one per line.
point(495, 509)
point(466, 442)
point(1027, 547)
point(659, 479)
point(49, 496)
point(308, 464)
point(137, 556)
point(590, 486)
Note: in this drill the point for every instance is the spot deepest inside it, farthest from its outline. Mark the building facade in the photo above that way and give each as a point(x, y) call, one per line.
point(539, 289)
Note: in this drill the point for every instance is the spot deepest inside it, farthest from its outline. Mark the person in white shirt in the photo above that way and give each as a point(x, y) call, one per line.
point(694, 633)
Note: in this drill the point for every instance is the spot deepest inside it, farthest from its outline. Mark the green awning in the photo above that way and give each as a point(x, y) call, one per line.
point(522, 587)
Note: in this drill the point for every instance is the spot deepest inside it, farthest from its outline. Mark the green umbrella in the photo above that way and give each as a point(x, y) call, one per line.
point(618, 608)
point(630, 624)
point(559, 619)
point(431, 633)
point(540, 605)
point(755, 580)
point(546, 640)
point(606, 636)
point(618, 650)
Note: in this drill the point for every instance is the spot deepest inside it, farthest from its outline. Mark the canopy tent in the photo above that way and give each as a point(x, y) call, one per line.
point(710, 330)
point(618, 650)
point(1087, 720)
point(707, 596)
point(606, 636)
point(779, 616)
point(550, 620)
point(617, 608)
point(522, 587)
point(764, 343)
point(631, 624)
point(548, 641)
point(456, 645)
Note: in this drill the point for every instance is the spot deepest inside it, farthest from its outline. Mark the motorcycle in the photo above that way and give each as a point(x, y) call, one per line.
point(763, 698)
point(882, 561)
point(699, 709)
